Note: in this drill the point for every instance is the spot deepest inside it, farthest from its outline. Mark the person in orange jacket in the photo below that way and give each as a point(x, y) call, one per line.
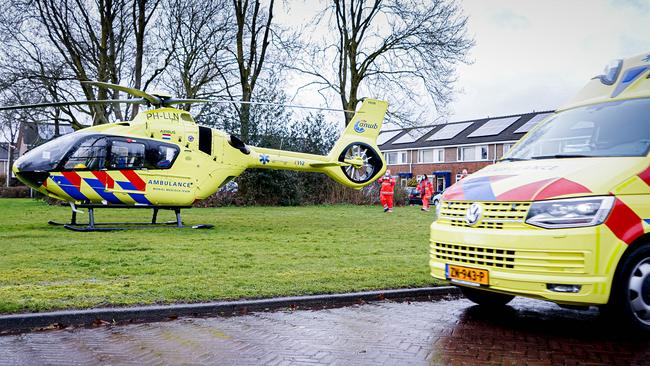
point(426, 191)
point(386, 193)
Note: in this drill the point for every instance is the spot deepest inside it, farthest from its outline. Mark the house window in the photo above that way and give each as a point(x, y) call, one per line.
point(391, 158)
point(506, 148)
point(398, 157)
point(432, 156)
point(426, 156)
point(402, 157)
point(473, 153)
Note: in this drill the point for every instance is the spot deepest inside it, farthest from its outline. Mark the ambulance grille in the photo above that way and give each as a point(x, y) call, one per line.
point(557, 262)
point(496, 215)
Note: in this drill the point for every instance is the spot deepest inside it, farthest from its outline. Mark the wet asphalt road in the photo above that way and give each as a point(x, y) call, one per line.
point(452, 332)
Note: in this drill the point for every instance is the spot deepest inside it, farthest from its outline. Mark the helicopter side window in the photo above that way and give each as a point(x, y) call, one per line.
point(166, 155)
point(126, 155)
point(89, 155)
point(160, 156)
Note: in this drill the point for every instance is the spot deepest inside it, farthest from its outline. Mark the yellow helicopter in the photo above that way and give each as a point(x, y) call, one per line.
point(163, 160)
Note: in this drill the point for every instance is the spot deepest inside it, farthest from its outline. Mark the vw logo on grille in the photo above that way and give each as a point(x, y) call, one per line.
point(473, 213)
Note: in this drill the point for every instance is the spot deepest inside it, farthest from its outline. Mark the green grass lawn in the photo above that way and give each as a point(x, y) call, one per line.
point(251, 252)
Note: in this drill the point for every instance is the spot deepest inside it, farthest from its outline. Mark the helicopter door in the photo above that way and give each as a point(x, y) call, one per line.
point(90, 154)
point(205, 140)
point(126, 157)
point(126, 154)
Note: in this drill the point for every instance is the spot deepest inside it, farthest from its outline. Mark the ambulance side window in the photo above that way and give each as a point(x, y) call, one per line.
point(89, 155)
point(126, 155)
point(160, 156)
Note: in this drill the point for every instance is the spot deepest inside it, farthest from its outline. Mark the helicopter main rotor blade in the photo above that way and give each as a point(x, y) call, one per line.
point(75, 102)
point(135, 92)
point(191, 101)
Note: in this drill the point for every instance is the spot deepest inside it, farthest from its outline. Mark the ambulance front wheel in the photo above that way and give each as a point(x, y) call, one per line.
point(485, 298)
point(630, 297)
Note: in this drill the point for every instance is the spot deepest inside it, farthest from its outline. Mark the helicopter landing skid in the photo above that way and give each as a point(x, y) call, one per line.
point(95, 226)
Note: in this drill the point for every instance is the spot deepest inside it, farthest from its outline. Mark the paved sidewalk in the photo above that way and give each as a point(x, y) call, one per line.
point(419, 333)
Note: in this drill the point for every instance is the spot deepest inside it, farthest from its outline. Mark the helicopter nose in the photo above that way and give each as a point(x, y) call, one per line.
point(33, 179)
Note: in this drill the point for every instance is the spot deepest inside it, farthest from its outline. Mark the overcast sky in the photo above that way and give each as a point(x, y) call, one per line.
point(532, 54)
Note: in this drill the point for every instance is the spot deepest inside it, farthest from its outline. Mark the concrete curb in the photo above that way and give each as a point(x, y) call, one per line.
point(15, 323)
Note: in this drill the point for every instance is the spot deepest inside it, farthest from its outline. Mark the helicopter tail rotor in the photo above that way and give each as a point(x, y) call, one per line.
point(356, 151)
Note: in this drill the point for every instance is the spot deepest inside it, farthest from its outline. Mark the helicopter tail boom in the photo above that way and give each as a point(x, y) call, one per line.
point(354, 161)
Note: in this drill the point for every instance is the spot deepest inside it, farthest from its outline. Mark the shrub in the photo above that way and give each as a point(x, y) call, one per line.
point(269, 187)
point(14, 192)
point(412, 182)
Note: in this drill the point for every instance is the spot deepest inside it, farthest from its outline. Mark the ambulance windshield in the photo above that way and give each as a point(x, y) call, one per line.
point(612, 129)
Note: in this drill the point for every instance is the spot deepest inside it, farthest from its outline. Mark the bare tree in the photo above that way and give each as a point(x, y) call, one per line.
point(11, 122)
point(27, 62)
point(59, 43)
point(199, 34)
point(91, 38)
point(252, 42)
point(389, 47)
point(142, 13)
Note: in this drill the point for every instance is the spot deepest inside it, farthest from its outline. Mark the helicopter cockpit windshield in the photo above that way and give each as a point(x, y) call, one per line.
point(46, 157)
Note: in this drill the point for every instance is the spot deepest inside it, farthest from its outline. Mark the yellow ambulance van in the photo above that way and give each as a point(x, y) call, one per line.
point(565, 215)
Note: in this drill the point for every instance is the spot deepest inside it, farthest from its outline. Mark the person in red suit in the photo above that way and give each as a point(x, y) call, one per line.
point(426, 191)
point(386, 192)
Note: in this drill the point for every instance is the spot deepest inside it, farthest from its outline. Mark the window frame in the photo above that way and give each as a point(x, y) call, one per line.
point(477, 154)
point(147, 161)
point(398, 157)
point(387, 157)
point(76, 146)
point(155, 145)
point(111, 146)
point(509, 145)
point(437, 156)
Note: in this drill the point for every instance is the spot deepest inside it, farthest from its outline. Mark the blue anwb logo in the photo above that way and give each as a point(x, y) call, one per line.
point(358, 128)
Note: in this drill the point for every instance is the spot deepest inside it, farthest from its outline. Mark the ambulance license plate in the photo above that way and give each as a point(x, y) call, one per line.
point(466, 275)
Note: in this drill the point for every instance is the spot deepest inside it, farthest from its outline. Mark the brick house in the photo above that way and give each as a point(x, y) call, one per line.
point(444, 151)
point(4, 158)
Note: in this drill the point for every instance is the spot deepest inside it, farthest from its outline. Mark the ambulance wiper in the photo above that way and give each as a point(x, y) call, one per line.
point(560, 156)
point(513, 159)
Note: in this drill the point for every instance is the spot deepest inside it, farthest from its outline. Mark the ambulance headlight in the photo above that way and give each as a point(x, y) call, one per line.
point(574, 212)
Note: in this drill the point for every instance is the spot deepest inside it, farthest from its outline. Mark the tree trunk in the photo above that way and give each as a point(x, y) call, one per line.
point(10, 162)
point(139, 25)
